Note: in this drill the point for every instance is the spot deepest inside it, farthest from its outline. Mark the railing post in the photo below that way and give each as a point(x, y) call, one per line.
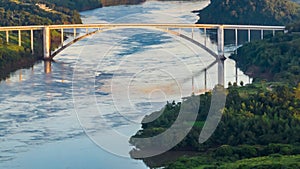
point(31, 41)
point(46, 42)
point(20, 38)
point(221, 55)
point(262, 34)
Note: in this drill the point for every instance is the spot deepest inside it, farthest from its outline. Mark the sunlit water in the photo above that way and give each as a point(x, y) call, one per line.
point(100, 88)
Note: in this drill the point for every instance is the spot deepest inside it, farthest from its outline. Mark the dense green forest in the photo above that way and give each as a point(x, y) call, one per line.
point(25, 13)
point(78, 5)
point(262, 12)
point(259, 121)
point(273, 59)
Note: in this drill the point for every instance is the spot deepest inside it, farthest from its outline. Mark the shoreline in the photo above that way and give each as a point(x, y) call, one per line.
point(26, 63)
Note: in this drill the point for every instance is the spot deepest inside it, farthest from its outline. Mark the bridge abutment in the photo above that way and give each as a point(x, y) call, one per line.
point(46, 42)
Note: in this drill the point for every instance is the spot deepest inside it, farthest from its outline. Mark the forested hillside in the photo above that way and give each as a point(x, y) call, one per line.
point(273, 59)
point(260, 120)
point(78, 5)
point(262, 12)
point(21, 13)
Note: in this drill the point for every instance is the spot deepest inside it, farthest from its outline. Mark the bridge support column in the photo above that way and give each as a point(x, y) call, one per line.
point(20, 38)
point(46, 42)
point(262, 34)
point(74, 32)
point(62, 36)
point(249, 35)
point(7, 37)
point(205, 79)
point(31, 41)
point(205, 37)
point(193, 85)
point(221, 57)
point(47, 67)
point(192, 33)
point(236, 39)
point(235, 52)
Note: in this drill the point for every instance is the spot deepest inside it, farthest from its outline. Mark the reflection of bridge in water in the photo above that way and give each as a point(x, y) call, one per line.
point(174, 29)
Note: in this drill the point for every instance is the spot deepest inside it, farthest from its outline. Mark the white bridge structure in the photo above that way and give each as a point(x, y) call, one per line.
point(168, 28)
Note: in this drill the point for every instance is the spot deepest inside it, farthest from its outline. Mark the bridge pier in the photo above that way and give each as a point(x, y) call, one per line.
point(221, 57)
point(46, 42)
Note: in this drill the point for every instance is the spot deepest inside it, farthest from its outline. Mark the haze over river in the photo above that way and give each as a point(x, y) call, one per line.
point(82, 111)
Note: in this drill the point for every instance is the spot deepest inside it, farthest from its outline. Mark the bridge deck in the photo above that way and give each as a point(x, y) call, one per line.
point(142, 25)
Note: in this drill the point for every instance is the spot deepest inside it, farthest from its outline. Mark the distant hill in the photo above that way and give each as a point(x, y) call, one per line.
point(263, 12)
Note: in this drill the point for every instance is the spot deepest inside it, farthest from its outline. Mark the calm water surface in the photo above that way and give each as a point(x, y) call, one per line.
point(80, 111)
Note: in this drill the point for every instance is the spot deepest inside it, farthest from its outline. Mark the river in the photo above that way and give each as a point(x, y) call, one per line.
point(80, 111)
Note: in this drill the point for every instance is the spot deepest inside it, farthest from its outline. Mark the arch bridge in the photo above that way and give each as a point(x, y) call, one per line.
point(168, 28)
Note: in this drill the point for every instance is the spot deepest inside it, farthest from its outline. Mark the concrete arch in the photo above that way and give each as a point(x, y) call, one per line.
point(211, 52)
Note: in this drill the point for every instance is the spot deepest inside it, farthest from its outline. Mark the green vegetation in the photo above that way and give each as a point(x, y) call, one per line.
point(262, 12)
point(259, 120)
point(28, 12)
point(273, 59)
point(24, 13)
point(78, 5)
point(274, 161)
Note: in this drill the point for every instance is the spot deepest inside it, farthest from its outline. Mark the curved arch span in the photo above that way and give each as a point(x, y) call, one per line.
point(211, 52)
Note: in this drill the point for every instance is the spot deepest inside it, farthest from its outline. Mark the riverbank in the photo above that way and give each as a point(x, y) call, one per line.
point(257, 118)
point(255, 130)
point(14, 57)
point(46, 12)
